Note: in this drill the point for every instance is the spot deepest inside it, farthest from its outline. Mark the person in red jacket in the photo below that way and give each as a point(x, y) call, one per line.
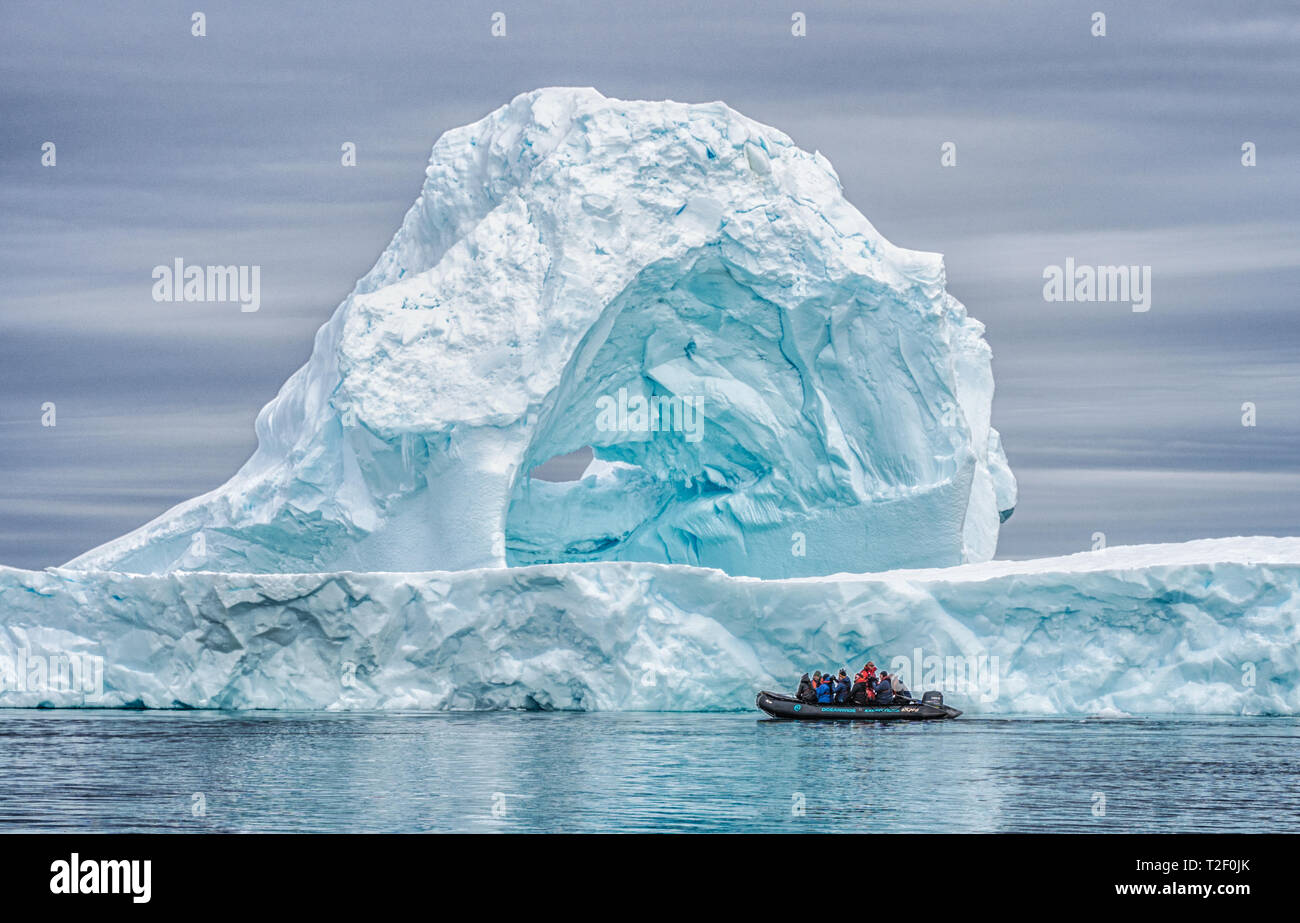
point(869, 677)
point(864, 686)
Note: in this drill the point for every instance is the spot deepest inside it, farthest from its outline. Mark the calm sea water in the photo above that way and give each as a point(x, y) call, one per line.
point(141, 771)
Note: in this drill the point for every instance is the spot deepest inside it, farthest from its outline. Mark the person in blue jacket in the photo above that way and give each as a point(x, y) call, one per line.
point(824, 690)
point(884, 690)
point(842, 687)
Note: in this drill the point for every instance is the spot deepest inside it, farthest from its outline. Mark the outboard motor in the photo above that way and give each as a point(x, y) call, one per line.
point(933, 697)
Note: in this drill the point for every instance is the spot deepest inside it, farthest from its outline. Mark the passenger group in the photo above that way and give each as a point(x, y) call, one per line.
point(864, 689)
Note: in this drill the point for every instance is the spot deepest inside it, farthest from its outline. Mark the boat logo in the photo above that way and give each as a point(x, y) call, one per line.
point(798, 708)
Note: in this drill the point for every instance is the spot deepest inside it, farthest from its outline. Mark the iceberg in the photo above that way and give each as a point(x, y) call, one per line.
point(1206, 627)
point(784, 425)
point(764, 383)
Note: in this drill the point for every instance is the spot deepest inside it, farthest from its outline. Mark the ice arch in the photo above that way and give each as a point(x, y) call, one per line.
point(774, 439)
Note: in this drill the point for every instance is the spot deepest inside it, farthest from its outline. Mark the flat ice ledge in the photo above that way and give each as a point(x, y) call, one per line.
point(1206, 627)
point(1235, 550)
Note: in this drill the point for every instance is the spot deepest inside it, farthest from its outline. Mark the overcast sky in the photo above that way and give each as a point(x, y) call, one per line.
point(225, 149)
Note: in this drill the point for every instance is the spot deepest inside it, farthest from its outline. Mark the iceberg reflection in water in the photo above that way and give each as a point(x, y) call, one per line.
point(115, 771)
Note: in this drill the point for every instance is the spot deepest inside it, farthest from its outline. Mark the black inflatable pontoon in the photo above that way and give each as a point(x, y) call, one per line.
point(930, 708)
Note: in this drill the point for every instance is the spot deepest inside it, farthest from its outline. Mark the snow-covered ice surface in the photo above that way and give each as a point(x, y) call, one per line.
point(569, 250)
point(1206, 627)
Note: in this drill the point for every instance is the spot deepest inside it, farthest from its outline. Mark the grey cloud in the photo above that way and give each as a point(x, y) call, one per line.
point(225, 150)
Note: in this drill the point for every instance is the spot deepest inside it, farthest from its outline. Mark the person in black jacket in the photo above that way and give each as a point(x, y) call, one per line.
point(808, 688)
point(861, 692)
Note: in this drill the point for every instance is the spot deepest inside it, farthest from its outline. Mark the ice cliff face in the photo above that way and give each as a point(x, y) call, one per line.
point(769, 386)
point(1210, 627)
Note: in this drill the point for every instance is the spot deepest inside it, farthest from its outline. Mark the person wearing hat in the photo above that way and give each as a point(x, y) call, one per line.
point(884, 690)
point(824, 689)
point(842, 686)
point(861, 693)
point(808, 688)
